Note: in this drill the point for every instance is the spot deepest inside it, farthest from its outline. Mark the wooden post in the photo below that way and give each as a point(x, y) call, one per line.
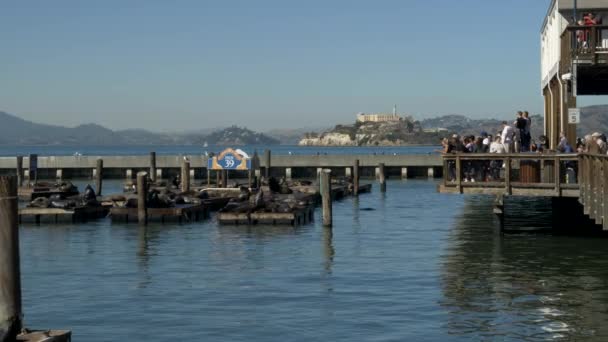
point(99, 176)
point(218, 181)
point(250, 178)
point(153, 167)
point(10, 277)
point(508, 175)
point(326, 197)
point(558, 181)
point(458, 173)
point(267, 160)
point(142, 210)
point(356, 178)
point(208, 177)
point(604, 192)
point(185, 176)
point(224, 178)
point(20, 171)
point(382, 177)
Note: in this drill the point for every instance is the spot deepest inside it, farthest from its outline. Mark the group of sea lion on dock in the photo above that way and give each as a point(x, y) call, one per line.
point(64, 198)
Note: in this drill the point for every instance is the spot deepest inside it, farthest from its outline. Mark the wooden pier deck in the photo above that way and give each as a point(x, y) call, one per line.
point(297, 217)
point(56, 215)
point(582, 176)
point(181, 212)
point(521, 174)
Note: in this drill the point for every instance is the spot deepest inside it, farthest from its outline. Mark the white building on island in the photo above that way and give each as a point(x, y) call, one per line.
point(379, 117)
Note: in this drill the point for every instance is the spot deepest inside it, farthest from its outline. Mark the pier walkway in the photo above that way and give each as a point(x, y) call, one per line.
point(57, 167)
point(583, 176)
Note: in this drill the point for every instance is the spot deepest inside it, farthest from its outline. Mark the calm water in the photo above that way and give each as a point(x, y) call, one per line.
point(409, 265)
point(193, 149)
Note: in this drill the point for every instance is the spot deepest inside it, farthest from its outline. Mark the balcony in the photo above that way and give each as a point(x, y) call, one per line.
point(585, 53)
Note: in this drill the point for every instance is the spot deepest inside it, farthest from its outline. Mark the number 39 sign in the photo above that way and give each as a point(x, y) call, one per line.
point(229, 159)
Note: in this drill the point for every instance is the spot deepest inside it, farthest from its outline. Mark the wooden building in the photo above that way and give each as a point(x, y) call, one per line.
point(574, 60)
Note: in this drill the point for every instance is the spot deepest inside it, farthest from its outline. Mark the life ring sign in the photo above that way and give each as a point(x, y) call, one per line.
point(229, 159)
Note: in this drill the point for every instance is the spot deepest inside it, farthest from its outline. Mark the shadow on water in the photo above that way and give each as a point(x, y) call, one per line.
point(547, 287)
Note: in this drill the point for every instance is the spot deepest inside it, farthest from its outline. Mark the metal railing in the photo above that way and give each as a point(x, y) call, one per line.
point(541, 174)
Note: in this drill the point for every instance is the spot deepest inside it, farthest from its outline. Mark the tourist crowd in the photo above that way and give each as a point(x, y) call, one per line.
point(513, 137)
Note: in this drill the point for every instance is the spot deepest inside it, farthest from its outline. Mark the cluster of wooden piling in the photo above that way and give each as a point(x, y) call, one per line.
point(11, 312)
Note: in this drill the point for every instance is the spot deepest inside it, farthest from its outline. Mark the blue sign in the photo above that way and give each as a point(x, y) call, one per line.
point(229, 160)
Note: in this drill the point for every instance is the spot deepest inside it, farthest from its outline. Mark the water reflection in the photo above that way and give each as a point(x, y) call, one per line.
point(547, 287)
point(328, 249)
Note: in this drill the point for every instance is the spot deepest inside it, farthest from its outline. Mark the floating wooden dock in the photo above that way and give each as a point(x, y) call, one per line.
point(31, 193)
point(181, 212)
point(297, 217)
point(56, 215)
point(45, 335)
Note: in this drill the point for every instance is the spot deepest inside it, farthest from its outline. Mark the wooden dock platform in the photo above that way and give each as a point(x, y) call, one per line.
point(297, 217)
point(56, 215)
point(181, 212)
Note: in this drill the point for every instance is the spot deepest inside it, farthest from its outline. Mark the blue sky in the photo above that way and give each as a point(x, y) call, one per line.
point(175, 65)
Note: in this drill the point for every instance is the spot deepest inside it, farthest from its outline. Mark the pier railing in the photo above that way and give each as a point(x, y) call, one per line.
point(520, 174)
point(585, 41)
point(594, 187)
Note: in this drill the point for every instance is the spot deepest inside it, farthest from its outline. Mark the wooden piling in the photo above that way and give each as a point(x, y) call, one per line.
point(382, 177)
point(142, 192)
point(20, 171)
point(224, 178)
point(267, 160)
point(218, 181)
point(185, 177)
point(99, 176)
point(153, 167)
point(356, 178)
point(10, 277)
point(326, 197)
point(250, 178)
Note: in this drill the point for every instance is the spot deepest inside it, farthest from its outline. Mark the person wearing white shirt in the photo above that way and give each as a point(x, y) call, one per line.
point(507, 137)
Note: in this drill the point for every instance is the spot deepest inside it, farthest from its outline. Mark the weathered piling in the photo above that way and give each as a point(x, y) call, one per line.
point(142, 191)
point(10, 277)
point(381, 177)
point(185, 177)
point(99, 176)
point(218, 181)
point(267, 159)
point(32, 170)
point(250, 178)
point(224, 178)
point(326, 197)
point(356, 178)
point(20, 171)
point(153, 167)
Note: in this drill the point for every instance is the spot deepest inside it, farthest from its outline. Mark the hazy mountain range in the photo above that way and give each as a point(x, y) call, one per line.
point(16, 131)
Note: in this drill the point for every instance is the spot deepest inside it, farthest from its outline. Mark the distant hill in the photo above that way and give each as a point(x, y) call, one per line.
point(235, 135)
point(16, 131)
point(593, 119)
point(466, 126)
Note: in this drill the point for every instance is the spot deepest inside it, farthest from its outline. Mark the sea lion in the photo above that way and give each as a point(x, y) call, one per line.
point(40, 202)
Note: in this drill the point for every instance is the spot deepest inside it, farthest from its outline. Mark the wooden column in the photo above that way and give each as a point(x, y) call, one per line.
point(458, 173)
point(224, 178)
point(356, 178)
point(326, 198)
point(250, 178)
point(185, 176)
point(604, 192)
point(267, 160)
point(558, 180)
point(20, 171)
point(153, 167)
point(142, 192)
point(381, 177)
point(99, 176)
point(10, 273)
point(508, 175)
